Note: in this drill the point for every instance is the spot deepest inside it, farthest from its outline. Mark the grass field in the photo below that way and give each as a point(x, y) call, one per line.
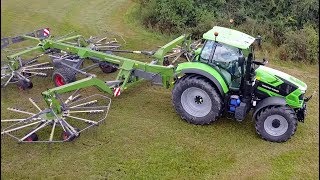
point(143, 137)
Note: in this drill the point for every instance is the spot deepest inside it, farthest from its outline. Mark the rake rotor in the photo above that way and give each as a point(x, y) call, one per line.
point(78, 114)
point(25, 70)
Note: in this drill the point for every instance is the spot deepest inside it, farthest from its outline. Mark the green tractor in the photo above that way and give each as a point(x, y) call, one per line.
point(224, 79)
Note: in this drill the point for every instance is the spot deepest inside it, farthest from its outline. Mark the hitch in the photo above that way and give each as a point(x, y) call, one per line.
point(308, 98)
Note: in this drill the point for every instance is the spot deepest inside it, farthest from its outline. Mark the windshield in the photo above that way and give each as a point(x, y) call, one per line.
point(226, 53)
point(219, 52)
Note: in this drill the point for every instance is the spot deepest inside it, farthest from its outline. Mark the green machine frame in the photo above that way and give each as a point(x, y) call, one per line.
point(126, 66)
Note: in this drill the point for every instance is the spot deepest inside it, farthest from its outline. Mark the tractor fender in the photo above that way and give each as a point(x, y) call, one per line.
point(275, 100)
point(204, 70)
point(207, 75)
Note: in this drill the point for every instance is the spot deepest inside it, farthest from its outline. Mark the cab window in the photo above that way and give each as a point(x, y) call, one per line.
point(207, 50)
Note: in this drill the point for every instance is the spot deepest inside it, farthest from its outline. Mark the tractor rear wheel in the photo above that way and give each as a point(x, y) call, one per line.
point(196, 100)
point(276, 123)
point(62, 76)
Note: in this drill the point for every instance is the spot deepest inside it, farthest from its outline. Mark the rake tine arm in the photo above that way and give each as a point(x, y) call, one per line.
point(55, 104)
point(52, 130)
point(36, 48)
point(34, 103)
point(17, 128)
point(82, 119)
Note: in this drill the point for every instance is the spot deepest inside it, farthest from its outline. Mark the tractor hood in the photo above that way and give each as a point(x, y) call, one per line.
point(275, 77)
point(229, 37)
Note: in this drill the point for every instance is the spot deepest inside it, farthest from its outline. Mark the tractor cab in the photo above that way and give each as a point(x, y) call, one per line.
point(224, 49)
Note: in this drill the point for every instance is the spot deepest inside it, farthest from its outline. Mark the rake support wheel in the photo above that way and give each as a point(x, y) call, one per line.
point(107, 67)
point(62, 76)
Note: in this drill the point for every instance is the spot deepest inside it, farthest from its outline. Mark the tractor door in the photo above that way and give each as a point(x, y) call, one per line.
point(225, 59)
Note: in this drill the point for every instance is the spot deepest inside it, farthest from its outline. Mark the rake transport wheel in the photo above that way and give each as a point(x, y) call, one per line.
point(107, 67)
point(196, 100)
point(66, 136)
point(24, 84)
point(32, 137)
point(276, 123)
point(62, 76)
point(38, 125)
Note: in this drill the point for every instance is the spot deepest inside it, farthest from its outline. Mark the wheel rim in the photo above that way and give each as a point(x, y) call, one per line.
point(65, 136)
point(276, 125)
point(59, 80)
point(196, 102)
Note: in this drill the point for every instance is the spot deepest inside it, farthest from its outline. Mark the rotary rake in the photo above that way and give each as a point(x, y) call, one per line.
point(19, 70)
point(65, 126)
point(67, 114)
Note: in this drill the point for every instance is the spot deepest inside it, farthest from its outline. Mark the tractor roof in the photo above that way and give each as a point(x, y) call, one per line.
point(230, 37)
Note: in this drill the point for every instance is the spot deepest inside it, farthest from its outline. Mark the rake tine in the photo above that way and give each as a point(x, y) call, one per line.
point(82, 119)
point(86, 103)
point(20, 111)
point(35, 73)
point(4, 75)
point(32, 61)
point(75, 98)
point(71, 97)
point(5, 84)
point(84, 108)
point(41, 64)
point(43, 68)
point(175, 59)
point(34, 103)
point(89, 111)
point(17, 128)
point(101, 39)
point(11, 120)
point(173, 54)
point(15, 120)
point(52, 131)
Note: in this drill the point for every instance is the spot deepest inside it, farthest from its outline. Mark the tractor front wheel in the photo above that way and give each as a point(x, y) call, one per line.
point(276, 123)
point(196, 100)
